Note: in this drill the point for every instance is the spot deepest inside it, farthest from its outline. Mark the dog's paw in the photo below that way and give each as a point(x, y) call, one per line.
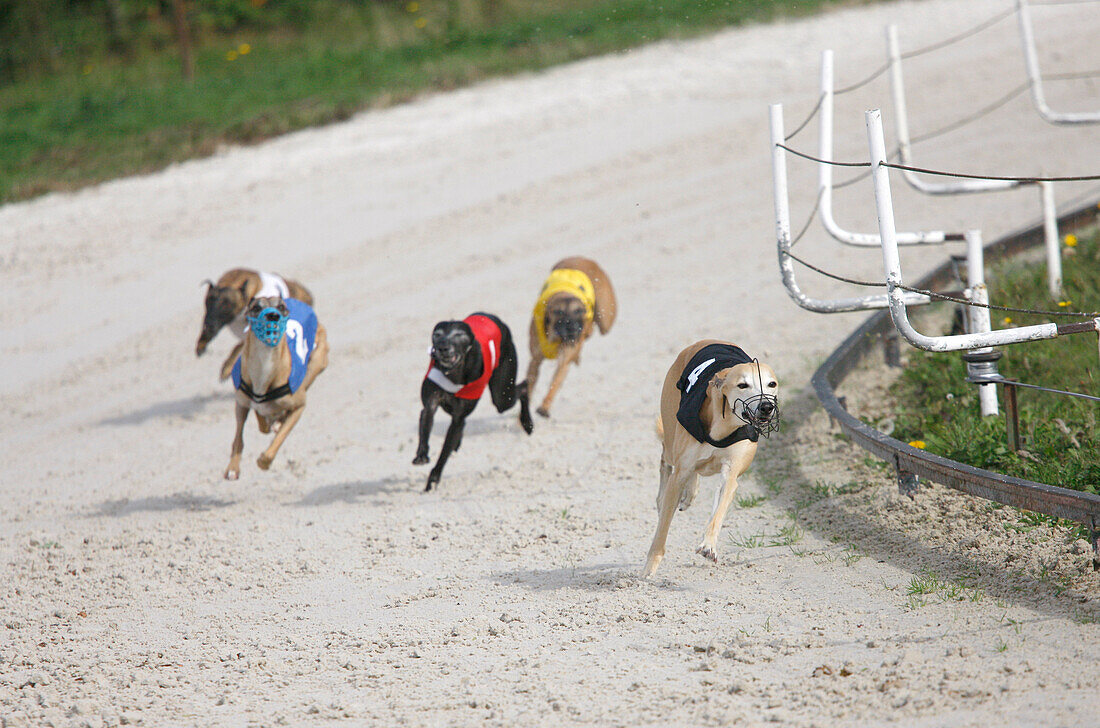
point(264, 461)
point(526, 423)
point(707, 552)
point(232, 474)
point(543, 411)
point(433, 480)
point(420, 459)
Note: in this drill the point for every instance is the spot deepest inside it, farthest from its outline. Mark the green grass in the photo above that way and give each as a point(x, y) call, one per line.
point(937, 406)
point(99, 117)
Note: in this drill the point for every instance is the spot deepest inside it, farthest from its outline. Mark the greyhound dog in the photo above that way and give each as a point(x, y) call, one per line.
point(283, 352)
point(227, 300)
point(467, 356)
point(577, 294)
point(715, 404)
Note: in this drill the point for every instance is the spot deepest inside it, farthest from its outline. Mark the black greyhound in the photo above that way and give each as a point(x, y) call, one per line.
point(467, 357)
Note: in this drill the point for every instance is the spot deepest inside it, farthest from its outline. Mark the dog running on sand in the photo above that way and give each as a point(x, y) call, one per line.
point(715, 404)
point(283, 352)
point(227, 300)
point(467, 356)
point(577, 294)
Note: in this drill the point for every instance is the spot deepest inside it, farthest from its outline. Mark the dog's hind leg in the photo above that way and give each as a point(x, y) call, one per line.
point(669, 496)
point(450, 444)
point(264, 461)
point(233, 470)
point(740, 458)
point(566, 356)
point(690, 490)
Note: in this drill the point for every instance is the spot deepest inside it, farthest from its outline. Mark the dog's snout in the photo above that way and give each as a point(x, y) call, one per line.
point(766, 407)
point(272, 316)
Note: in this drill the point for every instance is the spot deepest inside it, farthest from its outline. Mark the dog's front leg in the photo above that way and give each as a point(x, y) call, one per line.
point(566, 356)
point(233, 470)
point(427, 416)
point(227, 365)
point(450, 444)
point(264, 461)
point(738, 463)
point(668, 498)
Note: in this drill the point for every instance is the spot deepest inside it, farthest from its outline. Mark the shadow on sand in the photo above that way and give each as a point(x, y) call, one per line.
point(186, 407)
point(174, 502)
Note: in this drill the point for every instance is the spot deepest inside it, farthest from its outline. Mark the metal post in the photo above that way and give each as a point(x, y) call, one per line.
point(901, 121)
point(1035, 76)
point(1012, 416)
point(1054, 246)
point(825, 177)
point(783, 237)
point(891, 263)
point(981, 363)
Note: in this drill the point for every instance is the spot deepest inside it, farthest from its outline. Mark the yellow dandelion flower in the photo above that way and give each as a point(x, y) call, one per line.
point(919, 444)
point(413, 7)
point(1071, 240)
point(1063, 304)
point(231, 56)
point(244, 49)
point(87, 69)
point(420, 22)
point(1007, 320)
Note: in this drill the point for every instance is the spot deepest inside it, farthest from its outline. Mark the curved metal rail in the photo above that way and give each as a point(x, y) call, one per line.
point(912, 463)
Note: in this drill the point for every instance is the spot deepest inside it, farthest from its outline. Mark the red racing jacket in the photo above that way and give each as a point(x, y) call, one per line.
point(488, 337)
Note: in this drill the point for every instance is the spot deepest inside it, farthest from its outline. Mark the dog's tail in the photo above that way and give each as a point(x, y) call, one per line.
point(660, 428)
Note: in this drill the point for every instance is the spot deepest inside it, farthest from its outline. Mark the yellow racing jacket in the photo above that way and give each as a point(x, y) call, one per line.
point(568, 281)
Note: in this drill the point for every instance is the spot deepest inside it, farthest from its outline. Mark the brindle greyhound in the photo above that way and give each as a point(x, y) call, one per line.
point(227, 300)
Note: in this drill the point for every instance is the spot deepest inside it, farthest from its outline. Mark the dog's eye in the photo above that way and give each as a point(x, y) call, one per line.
point(742, 385)
point(772, 384)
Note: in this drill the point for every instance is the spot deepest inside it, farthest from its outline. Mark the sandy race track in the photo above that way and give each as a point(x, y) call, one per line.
point(141, 588)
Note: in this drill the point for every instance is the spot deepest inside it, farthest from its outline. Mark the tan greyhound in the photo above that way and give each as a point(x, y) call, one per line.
point(715, 403)
point(284, 351)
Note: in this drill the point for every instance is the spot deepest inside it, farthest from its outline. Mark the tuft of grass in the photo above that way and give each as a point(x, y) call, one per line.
point(750, 501)
point(937, 405)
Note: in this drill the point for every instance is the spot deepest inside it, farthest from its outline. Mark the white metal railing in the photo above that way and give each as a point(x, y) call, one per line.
point(825, 176)
point(783, 238)
point(1035, 76)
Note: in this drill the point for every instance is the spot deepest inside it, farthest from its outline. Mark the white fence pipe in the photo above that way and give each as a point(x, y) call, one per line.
point(825, 176)
point(978, 319)
point(891, 264)
point(905, 147)
point(783, 237)
point(1053, 244)
point(1035, 76)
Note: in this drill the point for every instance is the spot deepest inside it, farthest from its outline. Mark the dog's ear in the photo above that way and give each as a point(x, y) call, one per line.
point(208, 283)
point(718, 382)
point(244, 292)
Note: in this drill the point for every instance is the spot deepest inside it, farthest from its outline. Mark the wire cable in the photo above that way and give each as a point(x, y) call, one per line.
point(813, 113)
point(1022, 180)
point(985, 111)
point(942, 296)
point(860, 84)
point(961, 36)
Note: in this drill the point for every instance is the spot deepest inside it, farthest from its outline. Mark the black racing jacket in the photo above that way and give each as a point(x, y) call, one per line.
point(693, 391)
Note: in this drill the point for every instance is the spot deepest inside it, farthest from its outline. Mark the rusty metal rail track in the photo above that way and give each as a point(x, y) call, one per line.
point(912, 463)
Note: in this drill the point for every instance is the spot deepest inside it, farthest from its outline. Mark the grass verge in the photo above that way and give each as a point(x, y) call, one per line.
point(938, 408)
point(104, 117)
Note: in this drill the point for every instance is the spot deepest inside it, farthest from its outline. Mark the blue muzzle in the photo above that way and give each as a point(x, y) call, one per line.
point(268, 326)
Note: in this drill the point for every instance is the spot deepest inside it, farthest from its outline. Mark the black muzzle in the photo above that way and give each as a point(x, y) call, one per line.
point(761, 411)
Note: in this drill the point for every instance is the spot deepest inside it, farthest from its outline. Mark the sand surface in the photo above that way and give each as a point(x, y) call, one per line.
point(141, 588)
